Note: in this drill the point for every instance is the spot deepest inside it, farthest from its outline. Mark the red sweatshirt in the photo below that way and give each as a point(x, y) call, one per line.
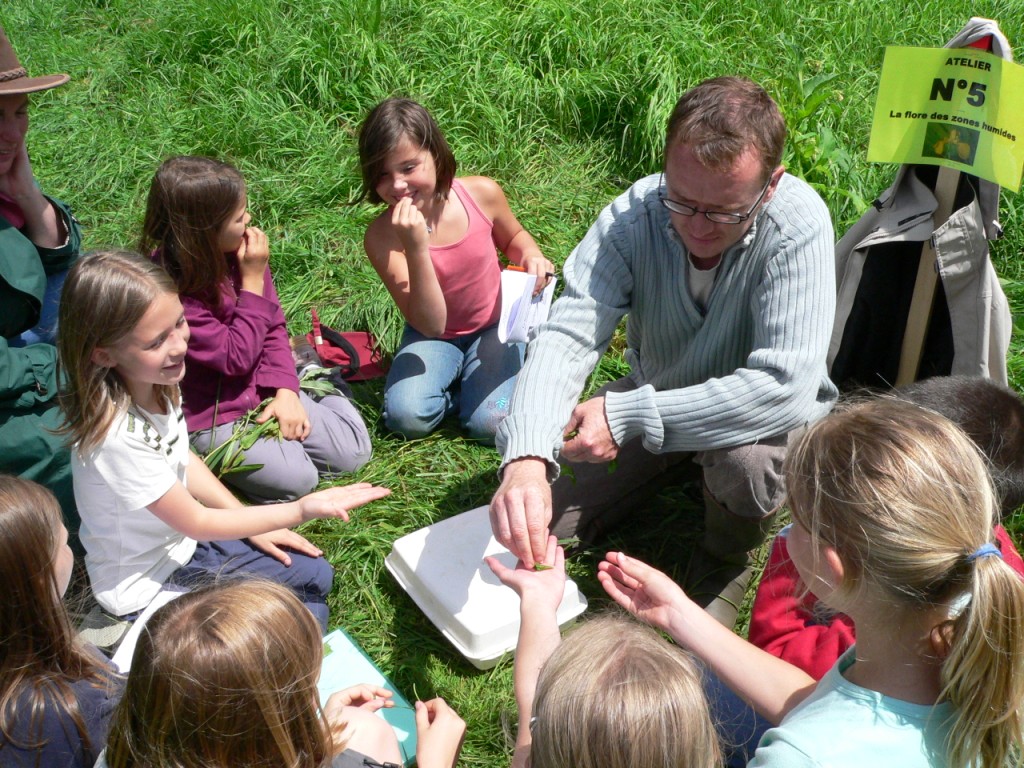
point(803, 632)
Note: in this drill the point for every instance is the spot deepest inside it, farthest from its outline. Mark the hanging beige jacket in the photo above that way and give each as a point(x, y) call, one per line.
point(876, 265)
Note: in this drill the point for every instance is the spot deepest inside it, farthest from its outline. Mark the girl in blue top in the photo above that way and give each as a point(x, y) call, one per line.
point(893, 510)
point(56, 693)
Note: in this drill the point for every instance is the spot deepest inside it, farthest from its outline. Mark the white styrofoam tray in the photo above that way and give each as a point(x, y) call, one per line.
point(442, 568)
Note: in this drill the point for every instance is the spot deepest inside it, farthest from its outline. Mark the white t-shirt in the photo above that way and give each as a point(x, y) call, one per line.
point(701, 282)
point(129, 552)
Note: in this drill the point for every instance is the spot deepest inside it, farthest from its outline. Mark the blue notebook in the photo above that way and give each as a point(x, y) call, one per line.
point(346, 664)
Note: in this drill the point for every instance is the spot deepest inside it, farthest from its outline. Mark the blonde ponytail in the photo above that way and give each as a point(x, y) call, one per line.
point(983, 675)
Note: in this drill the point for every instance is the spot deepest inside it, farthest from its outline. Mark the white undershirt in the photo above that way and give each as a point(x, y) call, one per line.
point(701, 281)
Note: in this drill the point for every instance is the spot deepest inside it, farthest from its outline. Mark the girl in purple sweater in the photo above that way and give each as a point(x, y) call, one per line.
point(198, 228)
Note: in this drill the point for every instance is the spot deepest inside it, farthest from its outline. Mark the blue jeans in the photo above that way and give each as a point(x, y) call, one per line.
point(45, 331)
point(429, 379)
point(310, 578)
point(739, 727)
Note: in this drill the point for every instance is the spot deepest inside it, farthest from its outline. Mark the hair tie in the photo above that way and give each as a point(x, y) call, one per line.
point(985, 550)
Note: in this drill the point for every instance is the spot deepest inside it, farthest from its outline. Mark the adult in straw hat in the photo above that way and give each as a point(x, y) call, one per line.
point(39, 240)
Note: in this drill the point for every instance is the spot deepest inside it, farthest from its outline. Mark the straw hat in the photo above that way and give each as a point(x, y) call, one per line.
point(13, 77)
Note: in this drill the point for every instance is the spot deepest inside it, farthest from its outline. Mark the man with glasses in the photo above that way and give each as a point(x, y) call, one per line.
point(725, 266)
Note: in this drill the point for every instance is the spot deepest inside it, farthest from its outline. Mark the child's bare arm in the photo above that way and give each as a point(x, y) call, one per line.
point(207, 487)
point(398, 248)
point(540, 593)
point(510, 236)
point(225, 518)
point(771, 685)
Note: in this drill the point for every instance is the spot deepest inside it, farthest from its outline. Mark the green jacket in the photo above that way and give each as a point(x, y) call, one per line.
point(28, 375)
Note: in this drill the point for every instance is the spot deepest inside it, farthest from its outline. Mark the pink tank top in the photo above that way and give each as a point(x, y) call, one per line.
point(469, 273)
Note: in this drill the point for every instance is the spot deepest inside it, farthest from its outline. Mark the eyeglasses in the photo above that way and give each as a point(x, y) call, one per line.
point(718, 217)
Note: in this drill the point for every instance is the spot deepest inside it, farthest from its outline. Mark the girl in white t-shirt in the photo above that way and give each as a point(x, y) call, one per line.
point(152, 513)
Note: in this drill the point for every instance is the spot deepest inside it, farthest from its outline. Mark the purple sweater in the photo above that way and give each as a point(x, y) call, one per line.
point(239, 348)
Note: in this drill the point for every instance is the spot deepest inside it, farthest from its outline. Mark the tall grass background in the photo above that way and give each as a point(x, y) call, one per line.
point(563, 102)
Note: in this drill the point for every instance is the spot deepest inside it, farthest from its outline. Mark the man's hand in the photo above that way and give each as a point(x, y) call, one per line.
point(593, 441)
point(521, 510)
point(270, 544)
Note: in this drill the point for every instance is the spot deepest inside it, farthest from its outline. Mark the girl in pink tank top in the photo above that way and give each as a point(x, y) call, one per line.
point(437, 254)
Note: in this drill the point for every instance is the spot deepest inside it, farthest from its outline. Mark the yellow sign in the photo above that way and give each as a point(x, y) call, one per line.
point(959, 107)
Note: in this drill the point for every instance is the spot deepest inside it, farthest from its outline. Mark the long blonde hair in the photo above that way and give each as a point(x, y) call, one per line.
point(224, 676)
point(105, 295)
point(906, 501)
point(615, 694)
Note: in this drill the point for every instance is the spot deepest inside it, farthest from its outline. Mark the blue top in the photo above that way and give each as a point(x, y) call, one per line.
point(62, 745)
point(843, 725)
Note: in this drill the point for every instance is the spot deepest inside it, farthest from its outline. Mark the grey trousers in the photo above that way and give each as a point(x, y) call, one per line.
point(338, 442)
point(591, 498)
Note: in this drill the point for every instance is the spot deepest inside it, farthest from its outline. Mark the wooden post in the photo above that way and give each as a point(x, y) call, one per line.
point(921, 303)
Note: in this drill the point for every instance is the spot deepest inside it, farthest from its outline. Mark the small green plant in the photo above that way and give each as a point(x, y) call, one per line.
point(321, 382)
point(814, 100)
point(229, 457)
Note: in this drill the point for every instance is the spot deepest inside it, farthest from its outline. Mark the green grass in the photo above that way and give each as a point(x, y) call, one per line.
point(562, 101)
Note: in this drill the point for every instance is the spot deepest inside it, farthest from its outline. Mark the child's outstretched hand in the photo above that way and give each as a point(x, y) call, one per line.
point(540, 588)
point(439, 733)
point(336, 502)
point(410, 226)
point(645, 592)
point(253, 255)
